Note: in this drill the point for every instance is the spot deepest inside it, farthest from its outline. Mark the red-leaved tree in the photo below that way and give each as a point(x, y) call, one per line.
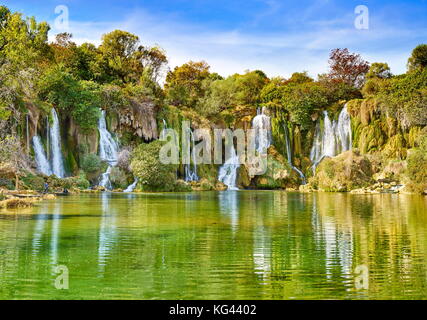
point(347, 67)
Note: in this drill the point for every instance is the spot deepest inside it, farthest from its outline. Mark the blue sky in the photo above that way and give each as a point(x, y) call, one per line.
point(276, 36)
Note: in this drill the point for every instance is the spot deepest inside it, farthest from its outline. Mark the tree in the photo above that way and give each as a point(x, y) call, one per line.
point(154, 62)
point(347, 67)
point(418, 59)
point(151, 173)
point(184, 84)
point(379, 70)
point(120, 53)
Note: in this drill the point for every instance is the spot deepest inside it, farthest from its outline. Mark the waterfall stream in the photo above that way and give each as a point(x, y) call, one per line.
point(191, 171)
point(289, 154)
point(56, 149)
point(334, 138)
point(43, 164)
point(262, 126)
point(108, 149)
point(228, 172)
point(131, 187)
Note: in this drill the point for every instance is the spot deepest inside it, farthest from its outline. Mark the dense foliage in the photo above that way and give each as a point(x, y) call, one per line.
point(133, 83)
point(152, 174)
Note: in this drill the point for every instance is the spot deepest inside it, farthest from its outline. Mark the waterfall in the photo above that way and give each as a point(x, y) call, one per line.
point(262, 126)
point(47, 137)
point(28, 133)
point(105, 179)
point(228, 172)
point(289, 154)
point(191, 172)
point(41, 159)
point(55, 141)
point(108, 149)
point(335, 138)
point(132, 186)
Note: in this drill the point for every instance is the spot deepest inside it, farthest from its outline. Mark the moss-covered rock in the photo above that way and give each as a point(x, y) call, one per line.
point(343, 173)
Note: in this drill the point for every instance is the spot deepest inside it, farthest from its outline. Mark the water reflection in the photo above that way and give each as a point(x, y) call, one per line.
point(107, 232)
point(229, 207)
point(231, 245)
point(55, 233)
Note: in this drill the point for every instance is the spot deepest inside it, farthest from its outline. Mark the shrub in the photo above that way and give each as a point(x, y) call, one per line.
point(417, 169)
point(6, 183)
point(118, 178)
point(91, 163)
point(152, 174)
point(33, 182)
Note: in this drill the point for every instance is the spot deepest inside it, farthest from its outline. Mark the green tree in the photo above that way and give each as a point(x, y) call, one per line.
point(418, 59)
point(120, 56)
point(379, 70)
point(184, 84)
point(152, 174)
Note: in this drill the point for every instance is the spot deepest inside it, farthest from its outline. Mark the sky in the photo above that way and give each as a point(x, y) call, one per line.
point(277, 36)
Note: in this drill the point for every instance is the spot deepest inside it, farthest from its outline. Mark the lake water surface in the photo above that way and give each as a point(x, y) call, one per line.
point(217, 245)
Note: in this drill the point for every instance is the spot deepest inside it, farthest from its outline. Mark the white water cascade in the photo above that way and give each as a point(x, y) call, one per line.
point(262, 126)
point(334, 138)
point(228, 172)
point(108, 149)
point(56, 149)
point(132, 186)
point(289, 154)
point(43, 164)
point(191, 171)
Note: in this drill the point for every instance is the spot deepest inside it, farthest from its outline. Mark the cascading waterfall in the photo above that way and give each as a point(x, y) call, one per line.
point(335, 138)
point(43, 164)
point(108, 149)
point(56, 149)
point(191, 172)
point(289, 154)
point(131, 187)
point(228, 172)
point(262, 126)
point(105, 179)
point(27, 132)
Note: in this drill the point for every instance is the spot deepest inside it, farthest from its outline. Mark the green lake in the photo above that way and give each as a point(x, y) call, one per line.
point(217, 245)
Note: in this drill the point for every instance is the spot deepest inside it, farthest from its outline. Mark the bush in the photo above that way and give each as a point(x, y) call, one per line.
point(33, 182)
point(417, 169)
point(118, 178)
point(152, 174)
point(6, 183)
point(91, 163)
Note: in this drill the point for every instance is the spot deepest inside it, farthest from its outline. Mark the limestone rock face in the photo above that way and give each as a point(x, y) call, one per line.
point(345, 172)
point(140, 117)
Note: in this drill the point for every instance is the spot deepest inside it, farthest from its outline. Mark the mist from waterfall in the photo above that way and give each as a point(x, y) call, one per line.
point(108, 149)
point(42, 162)
point(289, 155)
point(56, 149)
point(334, 138)
point(228, 172)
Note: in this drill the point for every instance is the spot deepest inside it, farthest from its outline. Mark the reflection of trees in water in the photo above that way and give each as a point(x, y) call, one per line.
point(385, 235)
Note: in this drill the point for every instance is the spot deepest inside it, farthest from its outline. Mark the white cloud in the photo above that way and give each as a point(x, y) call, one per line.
point(234, 51)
